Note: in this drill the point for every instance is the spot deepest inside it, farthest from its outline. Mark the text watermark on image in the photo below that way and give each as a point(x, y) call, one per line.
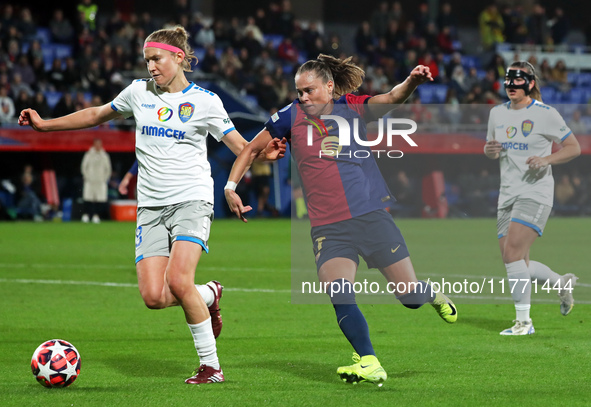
point(486, 286)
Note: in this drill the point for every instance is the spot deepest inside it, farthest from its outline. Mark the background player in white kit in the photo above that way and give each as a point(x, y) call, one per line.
point(175, 189)
point(520, 135)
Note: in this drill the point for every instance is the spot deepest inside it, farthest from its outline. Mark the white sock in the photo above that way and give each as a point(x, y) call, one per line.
point(542, 273)
point(206, 294)
point(522, 312)
point(518, 276)
point(205, 343)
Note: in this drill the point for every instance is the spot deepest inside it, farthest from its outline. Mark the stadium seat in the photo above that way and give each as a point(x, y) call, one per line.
point(43, 35)
point(274, 39)
point(433, 93)
point(52, 98)
point(199, 53)
point(577, 96)
point(61, 50)
point(549, 95)
point(470, 62)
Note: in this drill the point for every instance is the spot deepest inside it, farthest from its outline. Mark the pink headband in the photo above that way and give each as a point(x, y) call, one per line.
point(167, 47)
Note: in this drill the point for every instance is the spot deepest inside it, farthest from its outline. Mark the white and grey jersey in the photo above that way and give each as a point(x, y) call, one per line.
point(523, 133)
point(171, 132)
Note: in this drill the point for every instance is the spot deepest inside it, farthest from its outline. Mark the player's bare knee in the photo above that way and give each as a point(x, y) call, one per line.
point(154, 301)
point(178, 288)
point(512, 252)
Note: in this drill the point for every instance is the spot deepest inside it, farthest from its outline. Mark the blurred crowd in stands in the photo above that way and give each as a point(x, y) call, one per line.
point(66, 64)
point(57, 64)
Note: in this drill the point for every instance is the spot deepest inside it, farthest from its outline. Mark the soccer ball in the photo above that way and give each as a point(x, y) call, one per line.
point(56, 363)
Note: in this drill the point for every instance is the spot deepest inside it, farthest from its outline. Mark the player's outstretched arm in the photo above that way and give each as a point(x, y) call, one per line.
point(274, 150)
point(82, 119)
point(419, 75)
point(250, 152)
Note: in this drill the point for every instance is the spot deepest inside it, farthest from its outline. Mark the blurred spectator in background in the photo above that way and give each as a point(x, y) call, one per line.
point(29, 204)
point(26, 26)
point(537, 26)
point(364, 41)
point(545, 73)
point(560, 76)
point(64, 106)
point(39, 103)
point(286, 51)
point(17, 85)
point(444, 40)
point(447, 19)
point(96, 171)
point(499, 65)
point(459, 83)
point(396, 12)
point(265, 93)
point(261, 183)
point(61, 29)
point(24, 70)
point(564, 196)
point(577, 125)
point(22, 101)
point(408, 200)
point(56, 75)
point(205, 37)
point(452, 111)
point(491, 26)
point(6, 107)
point(559, 26)
point(88, 10)
point(210, 62)
point(379, 20)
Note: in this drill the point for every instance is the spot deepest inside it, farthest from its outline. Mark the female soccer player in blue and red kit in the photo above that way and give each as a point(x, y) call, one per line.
point(346, 197)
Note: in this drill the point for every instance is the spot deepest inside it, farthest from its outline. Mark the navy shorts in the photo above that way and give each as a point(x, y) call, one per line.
point(373, 236)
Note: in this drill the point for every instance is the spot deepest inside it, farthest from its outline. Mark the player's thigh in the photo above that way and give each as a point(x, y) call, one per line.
point(190, 225)
point(380, 241)
point(183, 261)
point(527, 221)
point(518, 241)
point(401, 273)
point(337, 268)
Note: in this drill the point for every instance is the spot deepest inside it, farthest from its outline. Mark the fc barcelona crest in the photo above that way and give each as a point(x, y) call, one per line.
point(526, 127)
point(186, 111)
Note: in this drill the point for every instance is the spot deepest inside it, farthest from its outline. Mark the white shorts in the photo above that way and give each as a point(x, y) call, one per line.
point(525, 211)
point(158, 227)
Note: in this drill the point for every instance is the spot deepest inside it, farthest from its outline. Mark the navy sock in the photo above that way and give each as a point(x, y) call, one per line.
point(349, 317)
point(415, 299)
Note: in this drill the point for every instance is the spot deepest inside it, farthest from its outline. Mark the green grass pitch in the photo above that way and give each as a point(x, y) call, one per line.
point(77, 282)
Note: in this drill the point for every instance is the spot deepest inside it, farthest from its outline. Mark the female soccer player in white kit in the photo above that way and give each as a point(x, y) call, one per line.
point(520, 135)
point(175, 189)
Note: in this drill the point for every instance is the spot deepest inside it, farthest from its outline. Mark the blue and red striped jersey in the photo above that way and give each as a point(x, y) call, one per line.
point(339, 181)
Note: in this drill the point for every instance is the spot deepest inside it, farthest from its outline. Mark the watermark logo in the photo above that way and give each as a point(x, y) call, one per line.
point(332, 146)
